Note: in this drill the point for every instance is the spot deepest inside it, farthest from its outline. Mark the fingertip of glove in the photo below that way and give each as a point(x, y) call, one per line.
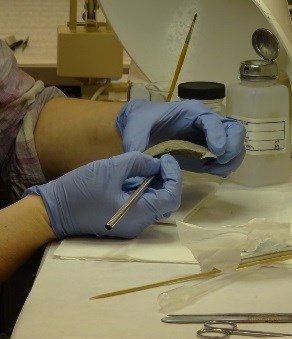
point(219, 149)
point(237, 127)
point(169, 158)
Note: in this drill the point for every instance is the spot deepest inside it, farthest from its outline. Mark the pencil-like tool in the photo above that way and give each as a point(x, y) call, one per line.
point(123, 210)
point(181, 59)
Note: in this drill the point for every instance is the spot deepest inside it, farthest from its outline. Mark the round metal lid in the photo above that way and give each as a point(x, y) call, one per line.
point(258, 70)
point(265, 44)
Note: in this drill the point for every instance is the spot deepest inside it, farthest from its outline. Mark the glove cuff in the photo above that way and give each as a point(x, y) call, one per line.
point(121, 119)
point(55, 220)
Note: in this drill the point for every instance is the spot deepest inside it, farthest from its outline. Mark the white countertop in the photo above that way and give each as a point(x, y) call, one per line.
point(59, 306)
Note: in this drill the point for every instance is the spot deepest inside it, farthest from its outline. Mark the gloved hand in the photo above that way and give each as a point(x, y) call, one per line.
point(143, 124)
point(82, 201)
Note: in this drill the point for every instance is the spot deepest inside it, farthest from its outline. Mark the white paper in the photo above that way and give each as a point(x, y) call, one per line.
point(158, 243)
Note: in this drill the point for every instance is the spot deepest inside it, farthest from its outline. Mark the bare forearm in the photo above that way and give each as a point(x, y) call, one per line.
point(72, 132)
point(24, 227)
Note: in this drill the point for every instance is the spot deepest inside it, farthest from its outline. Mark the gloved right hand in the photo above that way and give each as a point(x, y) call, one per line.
point(82, 201)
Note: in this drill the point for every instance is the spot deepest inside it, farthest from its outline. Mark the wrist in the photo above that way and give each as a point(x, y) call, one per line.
point(24, 227)
point(40, 219)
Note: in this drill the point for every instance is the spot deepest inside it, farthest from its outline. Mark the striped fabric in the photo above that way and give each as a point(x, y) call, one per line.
point(21, 100)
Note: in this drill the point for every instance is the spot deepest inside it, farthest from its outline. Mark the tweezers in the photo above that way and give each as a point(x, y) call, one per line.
point(234, 317)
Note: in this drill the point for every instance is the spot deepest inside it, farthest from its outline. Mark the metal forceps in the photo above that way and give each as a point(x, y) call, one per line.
point(227, 328)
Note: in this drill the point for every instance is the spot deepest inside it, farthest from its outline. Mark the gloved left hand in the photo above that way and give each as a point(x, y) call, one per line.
point(82, 201)
point(143, 123)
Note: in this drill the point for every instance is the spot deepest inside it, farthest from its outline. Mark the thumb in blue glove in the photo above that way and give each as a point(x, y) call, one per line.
point(143, 124)
point(82, 201)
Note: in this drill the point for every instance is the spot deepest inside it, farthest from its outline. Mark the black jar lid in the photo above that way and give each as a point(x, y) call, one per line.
point(201, 90)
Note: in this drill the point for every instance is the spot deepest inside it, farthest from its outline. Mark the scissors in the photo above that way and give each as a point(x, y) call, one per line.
point(226, 328)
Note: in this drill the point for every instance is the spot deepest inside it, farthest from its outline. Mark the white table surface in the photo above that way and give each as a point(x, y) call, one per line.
point(59, 306)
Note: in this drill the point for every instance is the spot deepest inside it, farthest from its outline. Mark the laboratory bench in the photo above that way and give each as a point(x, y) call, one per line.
point(59, 304)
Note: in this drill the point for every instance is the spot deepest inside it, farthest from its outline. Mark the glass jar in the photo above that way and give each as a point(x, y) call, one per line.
point(211, 94)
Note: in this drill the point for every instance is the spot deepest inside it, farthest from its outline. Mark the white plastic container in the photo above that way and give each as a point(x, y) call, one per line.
point(263, 108)
point(262, 105)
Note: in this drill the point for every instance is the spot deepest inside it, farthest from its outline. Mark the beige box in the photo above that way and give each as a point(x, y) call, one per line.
point(89, 54)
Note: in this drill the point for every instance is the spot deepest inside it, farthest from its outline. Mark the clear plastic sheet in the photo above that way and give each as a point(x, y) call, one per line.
point(222, 247)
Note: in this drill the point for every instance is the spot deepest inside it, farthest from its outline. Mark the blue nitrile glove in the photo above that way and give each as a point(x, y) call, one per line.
point(143, 124)
point(82, 201)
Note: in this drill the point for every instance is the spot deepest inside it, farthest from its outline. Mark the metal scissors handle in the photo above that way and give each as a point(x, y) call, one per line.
point(228, 328)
